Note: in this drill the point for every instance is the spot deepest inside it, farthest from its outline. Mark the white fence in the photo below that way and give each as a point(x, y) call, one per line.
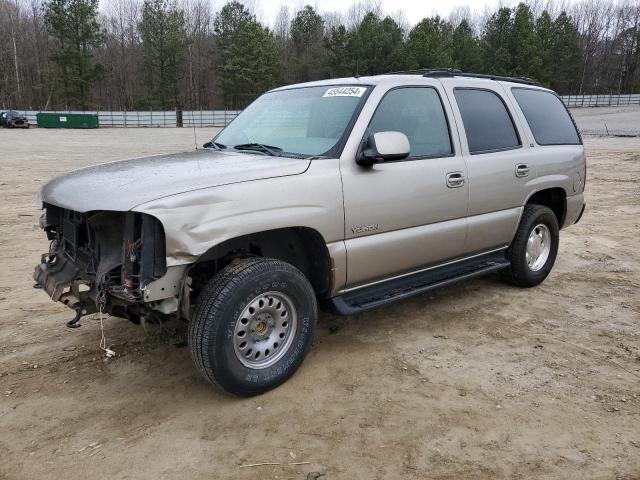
point(150, 118)
point(572, 101)
point(221, 118)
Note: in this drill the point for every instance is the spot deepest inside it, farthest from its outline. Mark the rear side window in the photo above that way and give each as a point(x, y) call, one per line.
point(417, 112)
point(547, 117)
point(487, 121)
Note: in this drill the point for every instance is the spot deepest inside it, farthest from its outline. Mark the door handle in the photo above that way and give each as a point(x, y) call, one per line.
point(522, 170)
point(455, 179)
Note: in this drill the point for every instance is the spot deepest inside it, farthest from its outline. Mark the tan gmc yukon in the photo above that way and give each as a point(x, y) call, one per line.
point(348, 194)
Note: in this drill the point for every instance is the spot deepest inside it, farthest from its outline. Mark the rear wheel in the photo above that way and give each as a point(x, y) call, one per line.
point(253, 325)
point(534, 248)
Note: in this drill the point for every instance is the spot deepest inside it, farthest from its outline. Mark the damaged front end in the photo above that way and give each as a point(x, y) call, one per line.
point(113, 260)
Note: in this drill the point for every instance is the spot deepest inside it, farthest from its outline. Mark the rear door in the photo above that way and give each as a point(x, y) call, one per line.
point(402, 215)
point(498, 158)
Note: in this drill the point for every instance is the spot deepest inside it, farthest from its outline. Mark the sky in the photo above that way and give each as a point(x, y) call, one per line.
point(415, 10)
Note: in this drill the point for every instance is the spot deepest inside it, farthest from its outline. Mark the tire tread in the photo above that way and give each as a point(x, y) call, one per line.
point(214, 295)
point(518, 273)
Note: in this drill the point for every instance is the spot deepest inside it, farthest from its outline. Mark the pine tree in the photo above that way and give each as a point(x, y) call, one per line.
point(430, 44)
point(466, 53)
point(248, 55)
point(163, 35)
point(546, 35)
point(497, 43)
point(307, 39)
point(337, 45)
point(566, 54)
point(525, 57)
point(375, 45)
point(74, 25)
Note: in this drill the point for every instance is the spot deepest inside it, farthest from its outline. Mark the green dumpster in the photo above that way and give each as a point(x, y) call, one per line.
point(67, 120)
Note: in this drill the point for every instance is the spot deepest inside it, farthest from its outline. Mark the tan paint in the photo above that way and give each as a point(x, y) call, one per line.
point(377, 221)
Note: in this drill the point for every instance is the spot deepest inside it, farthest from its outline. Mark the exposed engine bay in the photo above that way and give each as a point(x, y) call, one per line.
point(102, 260)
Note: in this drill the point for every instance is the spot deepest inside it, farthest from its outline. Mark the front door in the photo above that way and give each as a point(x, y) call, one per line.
point(407, 214)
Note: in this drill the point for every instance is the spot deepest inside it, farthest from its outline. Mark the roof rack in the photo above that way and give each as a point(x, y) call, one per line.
point(453, 72)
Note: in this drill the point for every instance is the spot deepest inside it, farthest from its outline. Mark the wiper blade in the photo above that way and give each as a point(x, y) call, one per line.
point(259, 147)
point(215, 145)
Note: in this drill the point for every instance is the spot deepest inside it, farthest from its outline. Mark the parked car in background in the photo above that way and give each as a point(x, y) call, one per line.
point(13, 119)
point(348, 194)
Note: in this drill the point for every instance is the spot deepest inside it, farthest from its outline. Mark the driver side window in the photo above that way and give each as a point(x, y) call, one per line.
point(418, 113)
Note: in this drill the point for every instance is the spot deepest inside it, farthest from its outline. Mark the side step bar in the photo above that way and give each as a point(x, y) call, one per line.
point(373, 296)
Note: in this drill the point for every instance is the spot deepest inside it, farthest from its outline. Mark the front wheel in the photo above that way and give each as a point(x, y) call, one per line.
point(534, 248)
point(253, 325)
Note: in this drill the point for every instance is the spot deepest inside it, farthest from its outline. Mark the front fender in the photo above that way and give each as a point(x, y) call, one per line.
point(196, 221)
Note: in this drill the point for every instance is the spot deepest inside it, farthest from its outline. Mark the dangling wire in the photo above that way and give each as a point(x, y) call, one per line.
point(102, 299)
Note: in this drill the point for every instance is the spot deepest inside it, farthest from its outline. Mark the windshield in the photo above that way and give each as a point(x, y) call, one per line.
point(305, 121)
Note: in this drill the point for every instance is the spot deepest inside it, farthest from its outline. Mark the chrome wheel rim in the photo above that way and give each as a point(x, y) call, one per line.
point(265, 330)
point(538, 247)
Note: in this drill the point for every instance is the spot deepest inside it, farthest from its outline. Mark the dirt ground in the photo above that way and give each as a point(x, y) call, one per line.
point(608, 120)
point(480, 380)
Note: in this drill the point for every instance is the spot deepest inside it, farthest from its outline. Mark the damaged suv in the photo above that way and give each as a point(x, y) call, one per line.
point(348, 194)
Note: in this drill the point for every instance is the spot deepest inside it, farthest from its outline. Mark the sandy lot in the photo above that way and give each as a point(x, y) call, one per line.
point(480, 380)
point(608, 120)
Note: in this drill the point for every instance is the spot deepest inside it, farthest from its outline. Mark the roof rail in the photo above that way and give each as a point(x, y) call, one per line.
point(452, 72)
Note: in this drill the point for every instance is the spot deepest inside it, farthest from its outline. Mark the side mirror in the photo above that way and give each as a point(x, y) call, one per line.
point(383, 146)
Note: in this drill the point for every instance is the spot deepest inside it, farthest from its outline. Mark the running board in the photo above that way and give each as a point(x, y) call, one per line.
point(373, 296)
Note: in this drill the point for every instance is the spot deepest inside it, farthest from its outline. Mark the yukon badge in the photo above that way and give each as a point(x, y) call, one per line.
point(365, 228)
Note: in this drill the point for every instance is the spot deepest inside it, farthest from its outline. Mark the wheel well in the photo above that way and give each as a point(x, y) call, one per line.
point(555, 199)
point(301, 247)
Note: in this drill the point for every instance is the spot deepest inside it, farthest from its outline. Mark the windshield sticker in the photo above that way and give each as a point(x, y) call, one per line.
point(345, 92)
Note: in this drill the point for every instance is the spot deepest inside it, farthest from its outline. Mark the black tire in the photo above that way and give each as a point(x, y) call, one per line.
point(220, 304)
point(519, 273)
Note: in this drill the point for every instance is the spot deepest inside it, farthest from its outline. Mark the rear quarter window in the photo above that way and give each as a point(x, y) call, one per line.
point(547, 117)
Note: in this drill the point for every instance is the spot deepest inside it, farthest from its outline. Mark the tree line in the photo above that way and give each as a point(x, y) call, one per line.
point(165, 54)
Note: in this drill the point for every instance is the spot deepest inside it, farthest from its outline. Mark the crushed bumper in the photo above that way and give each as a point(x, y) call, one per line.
point(19, 124)
point(62, 280)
